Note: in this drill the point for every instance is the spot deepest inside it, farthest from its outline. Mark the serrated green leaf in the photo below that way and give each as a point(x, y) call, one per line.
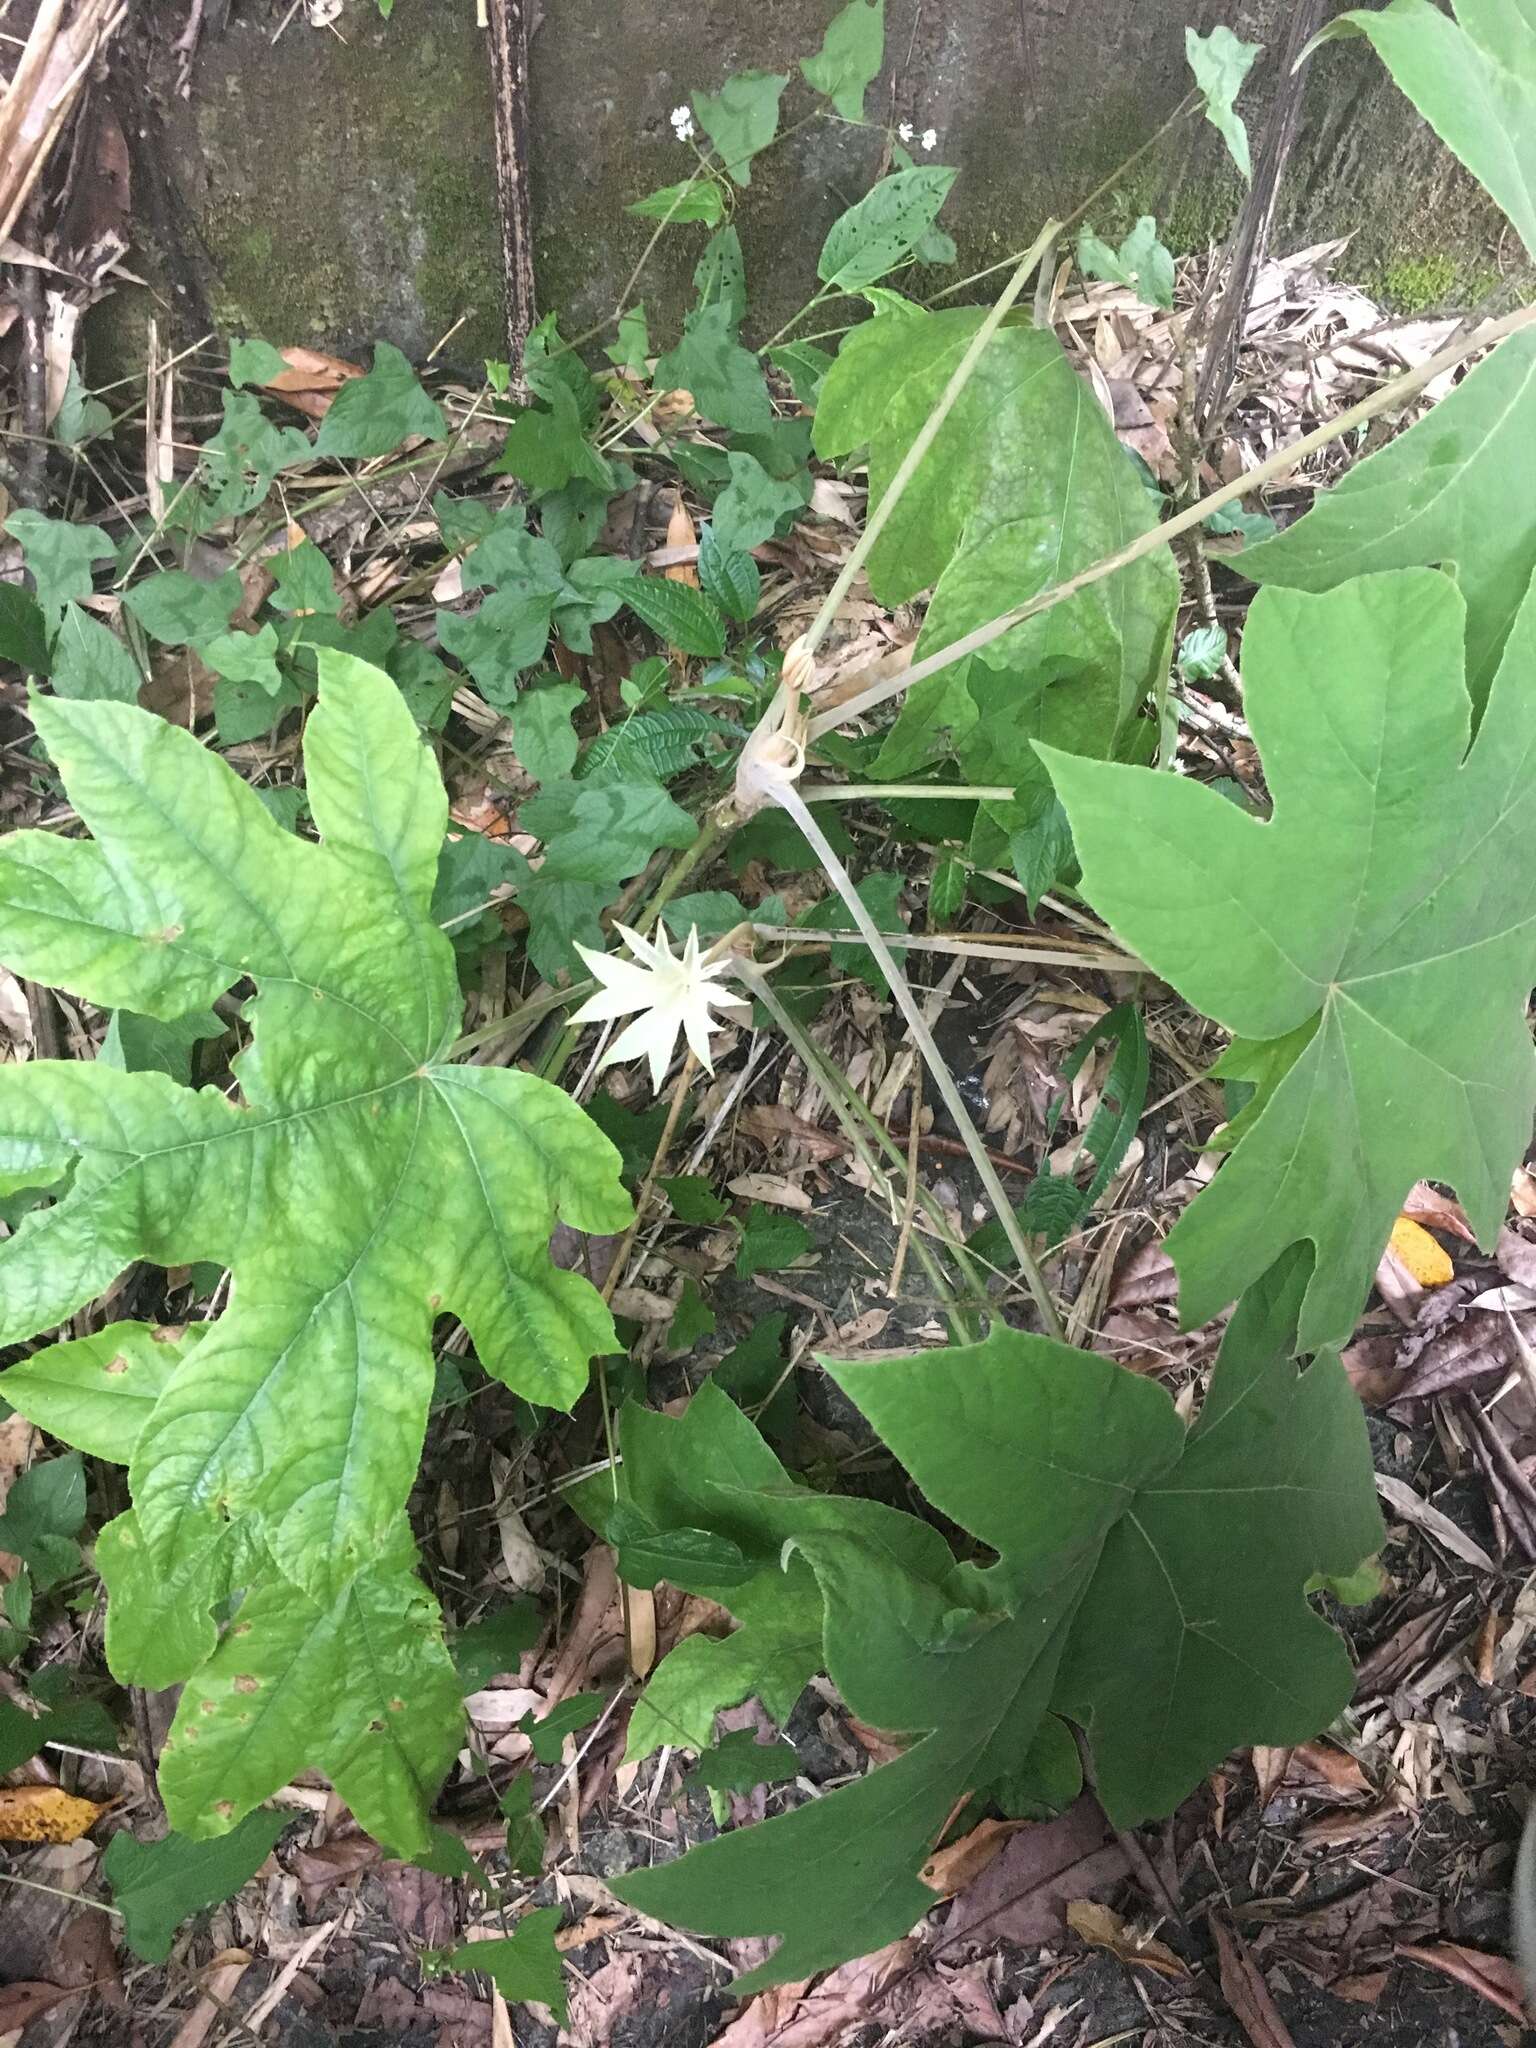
point(1474, 81)
point(740, 119)
point(96, 1393)
point(739, 1763)
point(770, 1241)
point(728, 576)
point(1454, 490)
point(524, 1965)
point(1141, 261)
point(653, 745)
point(692, 199)
point(542, 733)
point(1388, 904)
point(1221, 62)
point(58, 555)
point(157, 1885)
point(372, 415)
point(749, 509)
point(1125, 1531)
point(90, 661)
point(726, 380)
point(684, 618)
point(1025, 485)
point(883, 228)
point(360, 1184)
point(850, 57)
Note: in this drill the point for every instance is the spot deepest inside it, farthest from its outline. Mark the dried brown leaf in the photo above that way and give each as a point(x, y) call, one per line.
point(951, 1869)
point(1024, 1895)
point(1101, 1928)
point(1495, 1978)
point(1244, 1989)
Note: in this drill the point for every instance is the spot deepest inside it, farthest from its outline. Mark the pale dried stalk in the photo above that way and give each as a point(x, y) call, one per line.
point(53, 66)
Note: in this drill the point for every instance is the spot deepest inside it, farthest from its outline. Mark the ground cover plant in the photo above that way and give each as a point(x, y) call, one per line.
point(322, 1160)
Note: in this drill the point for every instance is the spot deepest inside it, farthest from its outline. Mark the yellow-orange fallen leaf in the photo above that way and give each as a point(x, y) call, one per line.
point(1425, 1260)
point(950, 1869)
point(1101, 1928)
point(44, 1813)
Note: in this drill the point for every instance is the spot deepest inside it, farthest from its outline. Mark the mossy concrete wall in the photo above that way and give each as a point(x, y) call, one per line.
point(344, 183)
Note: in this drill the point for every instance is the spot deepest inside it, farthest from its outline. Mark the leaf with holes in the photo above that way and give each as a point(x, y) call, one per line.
point(1382, 925)
point(357, 1186)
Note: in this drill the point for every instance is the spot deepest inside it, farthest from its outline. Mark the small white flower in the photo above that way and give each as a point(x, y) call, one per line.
point(906, 131)
point(672, 993)
point(930, 138)
point(682, 123)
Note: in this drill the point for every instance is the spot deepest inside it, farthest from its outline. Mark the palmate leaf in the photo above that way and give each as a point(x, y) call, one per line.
point(357, 1189)
point(1149, 1585)
point(1383, 924)
point(1025, 485)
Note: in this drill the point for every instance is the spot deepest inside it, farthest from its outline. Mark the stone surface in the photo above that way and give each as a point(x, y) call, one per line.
point(344, 187)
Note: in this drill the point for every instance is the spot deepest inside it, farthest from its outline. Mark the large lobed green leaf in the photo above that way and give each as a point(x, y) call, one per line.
point(1025, 485)
point(1372, 947)
point(357, 1188)
point(1111, 1525)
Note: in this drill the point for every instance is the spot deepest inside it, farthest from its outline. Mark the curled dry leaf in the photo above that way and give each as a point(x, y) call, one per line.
point(1244, 1989)
point(1495, 1978)
point(950, 1869)
point(1101, 1928)
point(1425, 1204)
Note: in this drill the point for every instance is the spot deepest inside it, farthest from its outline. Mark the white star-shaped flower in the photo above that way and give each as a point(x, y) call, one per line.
point(672, 992)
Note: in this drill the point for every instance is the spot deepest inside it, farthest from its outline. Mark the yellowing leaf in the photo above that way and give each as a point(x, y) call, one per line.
point(1426, 1261)
point(44, 1813)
